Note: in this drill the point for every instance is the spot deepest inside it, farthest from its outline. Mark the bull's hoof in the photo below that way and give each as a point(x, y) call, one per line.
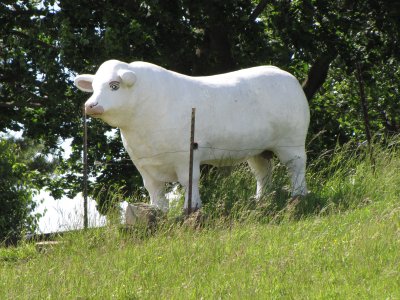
point(295, 200)
point(193, 210)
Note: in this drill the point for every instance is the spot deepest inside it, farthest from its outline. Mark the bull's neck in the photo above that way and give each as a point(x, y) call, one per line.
point(130, 138)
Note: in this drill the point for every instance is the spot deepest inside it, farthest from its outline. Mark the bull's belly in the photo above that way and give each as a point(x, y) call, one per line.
point(163, 173)
point(225, 157)
point(223, 162)
point(164, 167)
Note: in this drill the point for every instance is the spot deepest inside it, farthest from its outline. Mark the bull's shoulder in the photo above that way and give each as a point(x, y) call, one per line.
point(152, 71)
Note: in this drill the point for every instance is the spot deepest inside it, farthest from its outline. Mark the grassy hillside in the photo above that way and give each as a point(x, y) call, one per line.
point(340, 242)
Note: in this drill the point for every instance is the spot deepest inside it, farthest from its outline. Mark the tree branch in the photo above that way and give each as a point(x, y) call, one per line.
point(26, 36)
point(14, 105)
point(258, 10)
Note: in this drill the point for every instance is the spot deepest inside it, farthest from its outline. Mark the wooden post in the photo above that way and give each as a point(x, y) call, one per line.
point(190, 188)
point(85, 172)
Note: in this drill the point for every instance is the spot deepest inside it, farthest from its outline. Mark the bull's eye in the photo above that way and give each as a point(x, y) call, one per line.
point(114, 85)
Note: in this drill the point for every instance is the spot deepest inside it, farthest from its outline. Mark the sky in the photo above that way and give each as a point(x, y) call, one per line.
point(65, 214)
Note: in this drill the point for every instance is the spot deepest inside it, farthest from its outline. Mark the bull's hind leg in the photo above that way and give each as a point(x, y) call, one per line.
point(261, 165)
point(295, 160)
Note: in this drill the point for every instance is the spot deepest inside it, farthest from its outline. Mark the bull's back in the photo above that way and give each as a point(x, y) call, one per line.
point(251, 106)
point(268, 88)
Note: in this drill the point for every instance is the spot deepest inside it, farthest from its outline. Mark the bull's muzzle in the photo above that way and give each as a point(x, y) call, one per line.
point(93, 109)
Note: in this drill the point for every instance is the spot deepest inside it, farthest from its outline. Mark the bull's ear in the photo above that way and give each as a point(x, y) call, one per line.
point(84, 82)
point(127, 77)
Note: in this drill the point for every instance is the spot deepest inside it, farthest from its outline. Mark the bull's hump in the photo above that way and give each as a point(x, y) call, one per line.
point(244, 75)
point(145, 65)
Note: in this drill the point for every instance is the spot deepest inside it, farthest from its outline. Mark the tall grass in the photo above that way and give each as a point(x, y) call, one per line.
point(345, 178)
point(340, 242)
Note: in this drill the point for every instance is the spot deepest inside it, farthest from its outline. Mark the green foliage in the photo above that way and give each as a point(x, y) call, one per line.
point(16, 190)
point(336, 112)
point(341, 35)
point(23, 252)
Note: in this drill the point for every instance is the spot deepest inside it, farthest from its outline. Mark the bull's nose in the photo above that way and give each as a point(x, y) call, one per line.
point(93, 109)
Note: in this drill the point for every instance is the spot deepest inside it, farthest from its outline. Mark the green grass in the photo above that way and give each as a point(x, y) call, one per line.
point(340, 242)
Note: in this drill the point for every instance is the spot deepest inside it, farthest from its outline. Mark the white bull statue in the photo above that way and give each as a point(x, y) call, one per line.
point(240, 116)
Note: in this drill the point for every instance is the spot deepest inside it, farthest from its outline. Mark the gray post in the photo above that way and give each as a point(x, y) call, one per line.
point(192, 123)
point(85, 172)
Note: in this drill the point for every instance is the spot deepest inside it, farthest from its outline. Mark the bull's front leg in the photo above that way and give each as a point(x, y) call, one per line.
point(183, 177)
point(156, 191)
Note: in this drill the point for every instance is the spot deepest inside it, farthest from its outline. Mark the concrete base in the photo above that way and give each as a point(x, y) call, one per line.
point(146, 216)
point(142, 215)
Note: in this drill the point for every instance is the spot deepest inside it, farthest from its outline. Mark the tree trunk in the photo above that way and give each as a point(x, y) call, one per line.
point(363, 101)
point(317, 74)
point(215, 54)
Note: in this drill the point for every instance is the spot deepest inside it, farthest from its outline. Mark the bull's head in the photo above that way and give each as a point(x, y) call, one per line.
point(111, 88)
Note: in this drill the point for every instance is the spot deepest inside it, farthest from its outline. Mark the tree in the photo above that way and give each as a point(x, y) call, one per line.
point(318, 32)
point(321, 42)
point(17, 185)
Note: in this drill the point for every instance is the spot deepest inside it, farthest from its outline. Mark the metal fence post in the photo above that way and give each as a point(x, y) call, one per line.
point(190, 188)
point(85, 172)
